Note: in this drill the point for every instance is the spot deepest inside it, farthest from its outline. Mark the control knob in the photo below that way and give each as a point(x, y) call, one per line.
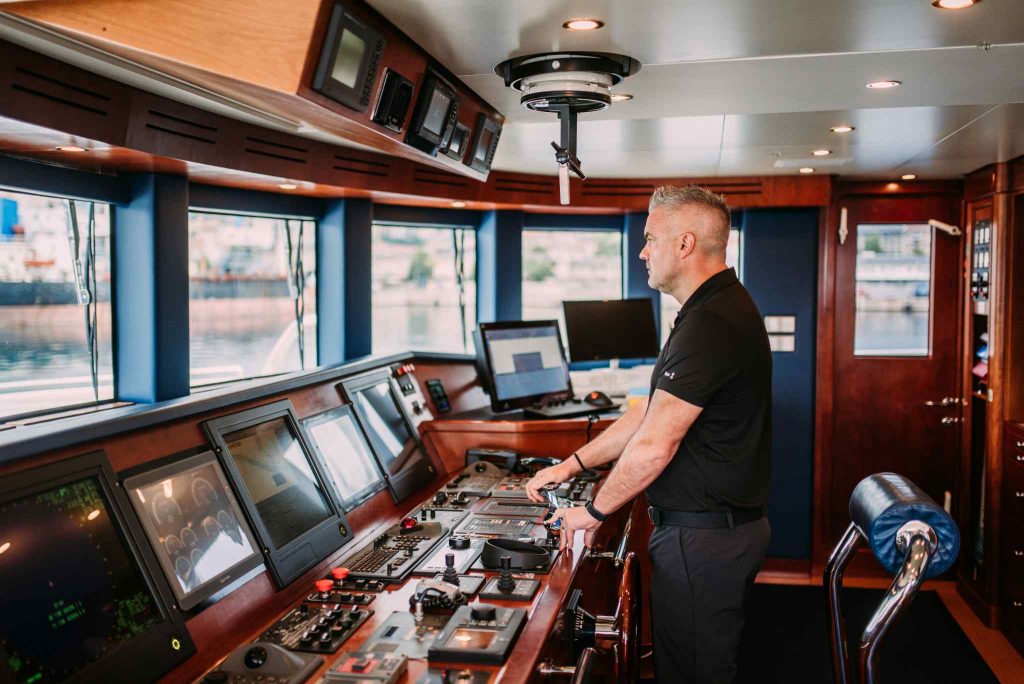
point(483, 612)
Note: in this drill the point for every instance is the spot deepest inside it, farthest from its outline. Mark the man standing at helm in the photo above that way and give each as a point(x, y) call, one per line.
point(699, 447)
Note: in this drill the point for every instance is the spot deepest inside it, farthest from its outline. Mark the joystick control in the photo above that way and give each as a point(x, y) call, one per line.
point(483, 611)
point(450, 575)
point(506, 584)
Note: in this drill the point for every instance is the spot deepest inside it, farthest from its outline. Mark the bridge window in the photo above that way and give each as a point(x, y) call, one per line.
point(561, 265)
point(424, 288)
point(252, 296)
point(55, 348)
point(894, 273)
point(670, 307)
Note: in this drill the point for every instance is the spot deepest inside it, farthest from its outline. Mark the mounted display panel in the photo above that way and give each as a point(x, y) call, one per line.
point(349, 59)
point(342, 447)
point(392, 435)
point(485, 142)
point(521, 362)
point(433, 118)
point(83, 596)
point(454, 144)
point(281, 486)
point(194, 524)
point(393, 102)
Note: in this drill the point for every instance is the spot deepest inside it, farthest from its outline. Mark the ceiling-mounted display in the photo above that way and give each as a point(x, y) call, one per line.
point(349, 60)
point(485, 142)
point(434, 116)
point(393, 103)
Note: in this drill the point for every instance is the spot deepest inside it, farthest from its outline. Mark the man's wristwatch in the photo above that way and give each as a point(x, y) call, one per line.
point(596, 514)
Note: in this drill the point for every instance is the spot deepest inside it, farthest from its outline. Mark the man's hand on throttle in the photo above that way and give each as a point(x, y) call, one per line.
point(575, 519)
point(552, 474)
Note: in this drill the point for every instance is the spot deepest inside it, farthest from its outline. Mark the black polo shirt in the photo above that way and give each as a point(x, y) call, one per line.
point(717, 357)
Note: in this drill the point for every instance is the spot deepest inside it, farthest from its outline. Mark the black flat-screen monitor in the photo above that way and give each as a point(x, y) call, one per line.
point(83, 597)
point(434, 115)
point(393, 437)
point(194, 524)
point(349, 60)
point(280, 484)
point(348, 461)
point(523, 361)
point(485, 142)
point(611, 329)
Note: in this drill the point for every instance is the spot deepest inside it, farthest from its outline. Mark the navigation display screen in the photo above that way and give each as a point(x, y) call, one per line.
point(437, 112)
point(526, 361)
point(349, 59)
point(71, 589)
point(193, 522)
point(385, 422)
point(484, 146)
point(350, 464)
point(279, 478)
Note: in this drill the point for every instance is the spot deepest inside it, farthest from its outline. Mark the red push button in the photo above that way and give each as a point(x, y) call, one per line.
point(339, 573)
point(324, 585)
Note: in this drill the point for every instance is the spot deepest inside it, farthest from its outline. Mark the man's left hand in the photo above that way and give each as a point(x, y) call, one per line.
point(573, 519)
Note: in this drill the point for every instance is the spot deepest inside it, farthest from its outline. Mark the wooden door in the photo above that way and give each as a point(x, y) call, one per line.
point(896, 403)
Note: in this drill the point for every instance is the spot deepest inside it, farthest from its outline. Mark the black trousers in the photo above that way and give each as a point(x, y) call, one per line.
point(699, 586)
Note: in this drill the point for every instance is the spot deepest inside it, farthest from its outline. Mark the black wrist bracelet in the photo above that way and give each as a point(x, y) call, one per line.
point(576, 455)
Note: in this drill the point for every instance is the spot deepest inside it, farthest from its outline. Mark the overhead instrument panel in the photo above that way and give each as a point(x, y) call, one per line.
point(349, 60)
point(281, 486)
point(83, 598)
point(194, 523)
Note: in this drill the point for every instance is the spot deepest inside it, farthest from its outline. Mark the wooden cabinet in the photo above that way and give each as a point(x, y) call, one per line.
point(1011, 609)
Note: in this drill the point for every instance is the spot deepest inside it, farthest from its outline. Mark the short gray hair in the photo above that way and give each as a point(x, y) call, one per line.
point(675, 197)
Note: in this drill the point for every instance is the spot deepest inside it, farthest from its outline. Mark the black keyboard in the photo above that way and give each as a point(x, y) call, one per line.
point(569, 409)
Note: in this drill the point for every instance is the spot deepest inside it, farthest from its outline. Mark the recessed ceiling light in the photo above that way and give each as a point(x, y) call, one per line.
point(621, 97)
point(883, 85)
point(821, 153)
point(806, 169)
point(458, 205)
point(908, 176)
point(954, 4)
point(582, 24)
point(70, 148)
point(5, 546)
point(94, 514)
point(892, 186)
point(842, 129)
point(287, 186)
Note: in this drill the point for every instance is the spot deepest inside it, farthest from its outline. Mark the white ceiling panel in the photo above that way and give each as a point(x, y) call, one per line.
point(471, 36)
point(770, 75)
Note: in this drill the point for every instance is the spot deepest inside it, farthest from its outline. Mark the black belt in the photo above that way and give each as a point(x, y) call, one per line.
point(524, 555)
point(705, 520)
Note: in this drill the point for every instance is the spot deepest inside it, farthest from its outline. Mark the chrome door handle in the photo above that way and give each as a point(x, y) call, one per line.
point(945, 401)
point(949, 420)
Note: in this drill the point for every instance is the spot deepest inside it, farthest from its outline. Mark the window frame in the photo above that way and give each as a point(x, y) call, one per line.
point(69, 184)
point(582, 227)
point(459, 220)
point(224, 210)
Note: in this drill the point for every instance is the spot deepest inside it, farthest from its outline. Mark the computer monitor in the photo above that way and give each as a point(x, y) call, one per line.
point(393, 437)
point(611, 329)
point(523, 361)
point(342, 446)
point(194, 523)
point(270, 462)
point(83, 596)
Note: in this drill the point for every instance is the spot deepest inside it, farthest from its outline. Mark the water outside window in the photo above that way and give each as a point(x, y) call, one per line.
point(894, 273)
point(670, 307)
point(245, 273)
point(423, 288)
point(561, 265)
point(45, 286)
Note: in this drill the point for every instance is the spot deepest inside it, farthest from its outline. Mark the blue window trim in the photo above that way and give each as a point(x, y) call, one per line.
point(35, 178)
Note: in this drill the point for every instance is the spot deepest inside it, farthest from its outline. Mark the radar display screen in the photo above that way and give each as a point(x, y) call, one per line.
point(280, 480)
point(350, 464)
point(194, 525)
point(72, 591)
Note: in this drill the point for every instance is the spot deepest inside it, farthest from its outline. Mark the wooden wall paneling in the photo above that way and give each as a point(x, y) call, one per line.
point(824, 398)
point(263, 42)
point(461, 384)
point(54, 95)
point(1014, 287)
point(169, 129)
